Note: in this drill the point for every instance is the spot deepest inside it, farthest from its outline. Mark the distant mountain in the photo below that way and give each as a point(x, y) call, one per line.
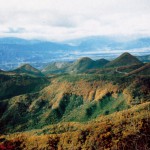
point(38, 53)
point(79, 66)
point(56, 67)
point(14, 52)
point(86, 63)
point(28, 69)
point(101, 62)
point(145, 58)
point(124, 60)
point(37, 46)
point(82, 64)
point(13, 40)
point(144, 70)
point(104, 42)
point(138, 43)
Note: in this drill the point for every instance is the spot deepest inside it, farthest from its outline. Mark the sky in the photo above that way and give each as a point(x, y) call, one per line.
point(60, 20)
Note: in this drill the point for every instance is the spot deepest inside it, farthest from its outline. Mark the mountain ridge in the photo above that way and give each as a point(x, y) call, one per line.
point(123, 60)
point(18, 51)
point(28, 69)
point(142, 70)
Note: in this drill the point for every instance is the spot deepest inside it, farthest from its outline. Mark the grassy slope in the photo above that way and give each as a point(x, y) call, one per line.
point(81, 65)
point(80, 99)
point(28, 70)
point(121, 130)
point(85, 63)
point(95, 100)
point(56, 68)
point(123, 60)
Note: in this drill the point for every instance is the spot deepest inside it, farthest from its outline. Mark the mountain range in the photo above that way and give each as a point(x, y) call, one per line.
point(15, 51)
point(82, 104)
point(125, 62)
point(85, 64)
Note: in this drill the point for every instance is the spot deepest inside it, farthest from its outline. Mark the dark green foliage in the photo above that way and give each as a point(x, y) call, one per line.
point(91, 110)
point(79, 77)
point(108, 105)
point(68, 103)
point(18, 114)
point(73, 102)
point(15, 85)
point(3, 107)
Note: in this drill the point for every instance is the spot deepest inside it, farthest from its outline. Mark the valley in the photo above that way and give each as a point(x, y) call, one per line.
point(84, 104)
point(39, 53)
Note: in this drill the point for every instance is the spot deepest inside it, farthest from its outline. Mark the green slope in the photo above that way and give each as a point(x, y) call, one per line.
point(64, 100)
point(28, 70)
point(123, 60)
point(84, 64)
point(56, 68)
point(12, 85)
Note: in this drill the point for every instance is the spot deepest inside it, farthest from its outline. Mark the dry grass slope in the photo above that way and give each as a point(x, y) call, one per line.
point(122, 130)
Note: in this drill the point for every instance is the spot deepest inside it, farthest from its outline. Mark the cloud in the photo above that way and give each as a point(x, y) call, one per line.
point(68, 19)
point(15, 30)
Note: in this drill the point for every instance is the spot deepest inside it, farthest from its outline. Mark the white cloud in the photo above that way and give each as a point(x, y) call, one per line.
point(66, 19)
